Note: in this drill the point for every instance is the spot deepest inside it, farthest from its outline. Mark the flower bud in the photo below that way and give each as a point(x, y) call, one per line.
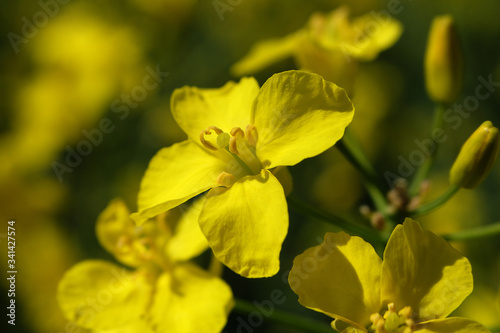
point(477, 157)
point(443, 61)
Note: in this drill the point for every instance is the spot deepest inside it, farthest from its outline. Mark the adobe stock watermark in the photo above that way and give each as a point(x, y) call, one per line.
point(92, 306)
point(250, 322)
point(454, 117)
point(94, 137)
point(222, 6)
point(29, 30)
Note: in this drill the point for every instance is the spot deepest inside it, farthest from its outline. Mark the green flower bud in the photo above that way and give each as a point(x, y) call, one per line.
point(443, 61)
point(477, 157)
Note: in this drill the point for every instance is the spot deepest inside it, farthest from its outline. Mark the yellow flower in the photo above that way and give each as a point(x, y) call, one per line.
point(163, 294)
point(329, 45)
point(245, 134)
point(421, 280)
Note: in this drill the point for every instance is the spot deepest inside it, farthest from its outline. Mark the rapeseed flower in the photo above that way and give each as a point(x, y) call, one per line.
point(239, 137)
point(164, 294)
point(420, 281)
point(329, 44)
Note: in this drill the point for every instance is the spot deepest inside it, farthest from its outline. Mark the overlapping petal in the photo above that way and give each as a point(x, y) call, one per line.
point(340, 277)
point(115, 232)
point(195, 109)
point(99, 295)
point(452, 325)
point(188, 241)
point(373, 40)
point(175, 175)
point(267, 52)
point(246, 224)
point(422, 270)
point(189, 300)
point(299, 115)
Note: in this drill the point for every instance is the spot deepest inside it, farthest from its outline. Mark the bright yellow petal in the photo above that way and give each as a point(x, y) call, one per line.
point(423, 271)
point(189, 300)
point(246, 224)
point(99, 295)
point(452, 325)
point(374, 40)
point(268, 52)
point(175, 175)
point(135, 327)
point(195, 109)
point(340, 278)
point(188, 241)
point(299, 115)
point(115, 232)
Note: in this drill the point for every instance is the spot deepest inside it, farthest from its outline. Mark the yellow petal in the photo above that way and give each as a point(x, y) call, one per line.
point(372, 41)
point(196, 109)
point(268, 52)
point(188, 241)
point(115, 232)
point(175, 175)
point(299, 115)
point(189, 300)
point(452, 325)
point(246, 224)
point(340, 278)
point(134, 327)
point(423, 271)
point(100, 295)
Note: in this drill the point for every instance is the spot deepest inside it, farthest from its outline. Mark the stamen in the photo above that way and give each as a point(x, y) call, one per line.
point(225, 179)
point(251, 135)
point(204, 142)
point(233, 147)
point(236, 133)
point(208, 131)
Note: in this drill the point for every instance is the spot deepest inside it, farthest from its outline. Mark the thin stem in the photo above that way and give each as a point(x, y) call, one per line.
point(430, 206)
point(489, 230)
point(284, 317)
point(359, 230)
point(425, 167)
point(352, 150)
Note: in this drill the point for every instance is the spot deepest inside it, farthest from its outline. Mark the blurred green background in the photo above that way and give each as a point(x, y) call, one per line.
point(62, 73)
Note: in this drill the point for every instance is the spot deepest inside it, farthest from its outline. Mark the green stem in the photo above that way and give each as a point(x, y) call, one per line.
point(425, 167)
point(284, 317)
point(430, 206)
point(355, 154)
point(359, 230)
point(495, 329)
point(489, 230)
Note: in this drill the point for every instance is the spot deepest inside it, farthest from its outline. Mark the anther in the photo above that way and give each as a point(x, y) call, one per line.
point(204, 142)
point(208, 131)
point(225, 179)
point(251, 135)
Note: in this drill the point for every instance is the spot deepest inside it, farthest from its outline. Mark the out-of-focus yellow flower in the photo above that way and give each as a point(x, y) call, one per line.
point(295, 115)
point(329, 45)
point(164, 293)
point(477, 157)
point(443, 61)
point(420, 281)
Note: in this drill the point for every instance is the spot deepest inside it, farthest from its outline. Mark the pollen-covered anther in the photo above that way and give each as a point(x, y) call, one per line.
point(393, 321)
point(251, 135)
point(207, 144)
point(236, 133)
point(225, 179)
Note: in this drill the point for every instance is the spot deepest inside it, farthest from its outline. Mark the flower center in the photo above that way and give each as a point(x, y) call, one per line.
point(392, 321)
point(240, 145)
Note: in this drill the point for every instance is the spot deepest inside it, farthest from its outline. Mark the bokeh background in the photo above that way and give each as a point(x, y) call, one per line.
point(62, 73)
